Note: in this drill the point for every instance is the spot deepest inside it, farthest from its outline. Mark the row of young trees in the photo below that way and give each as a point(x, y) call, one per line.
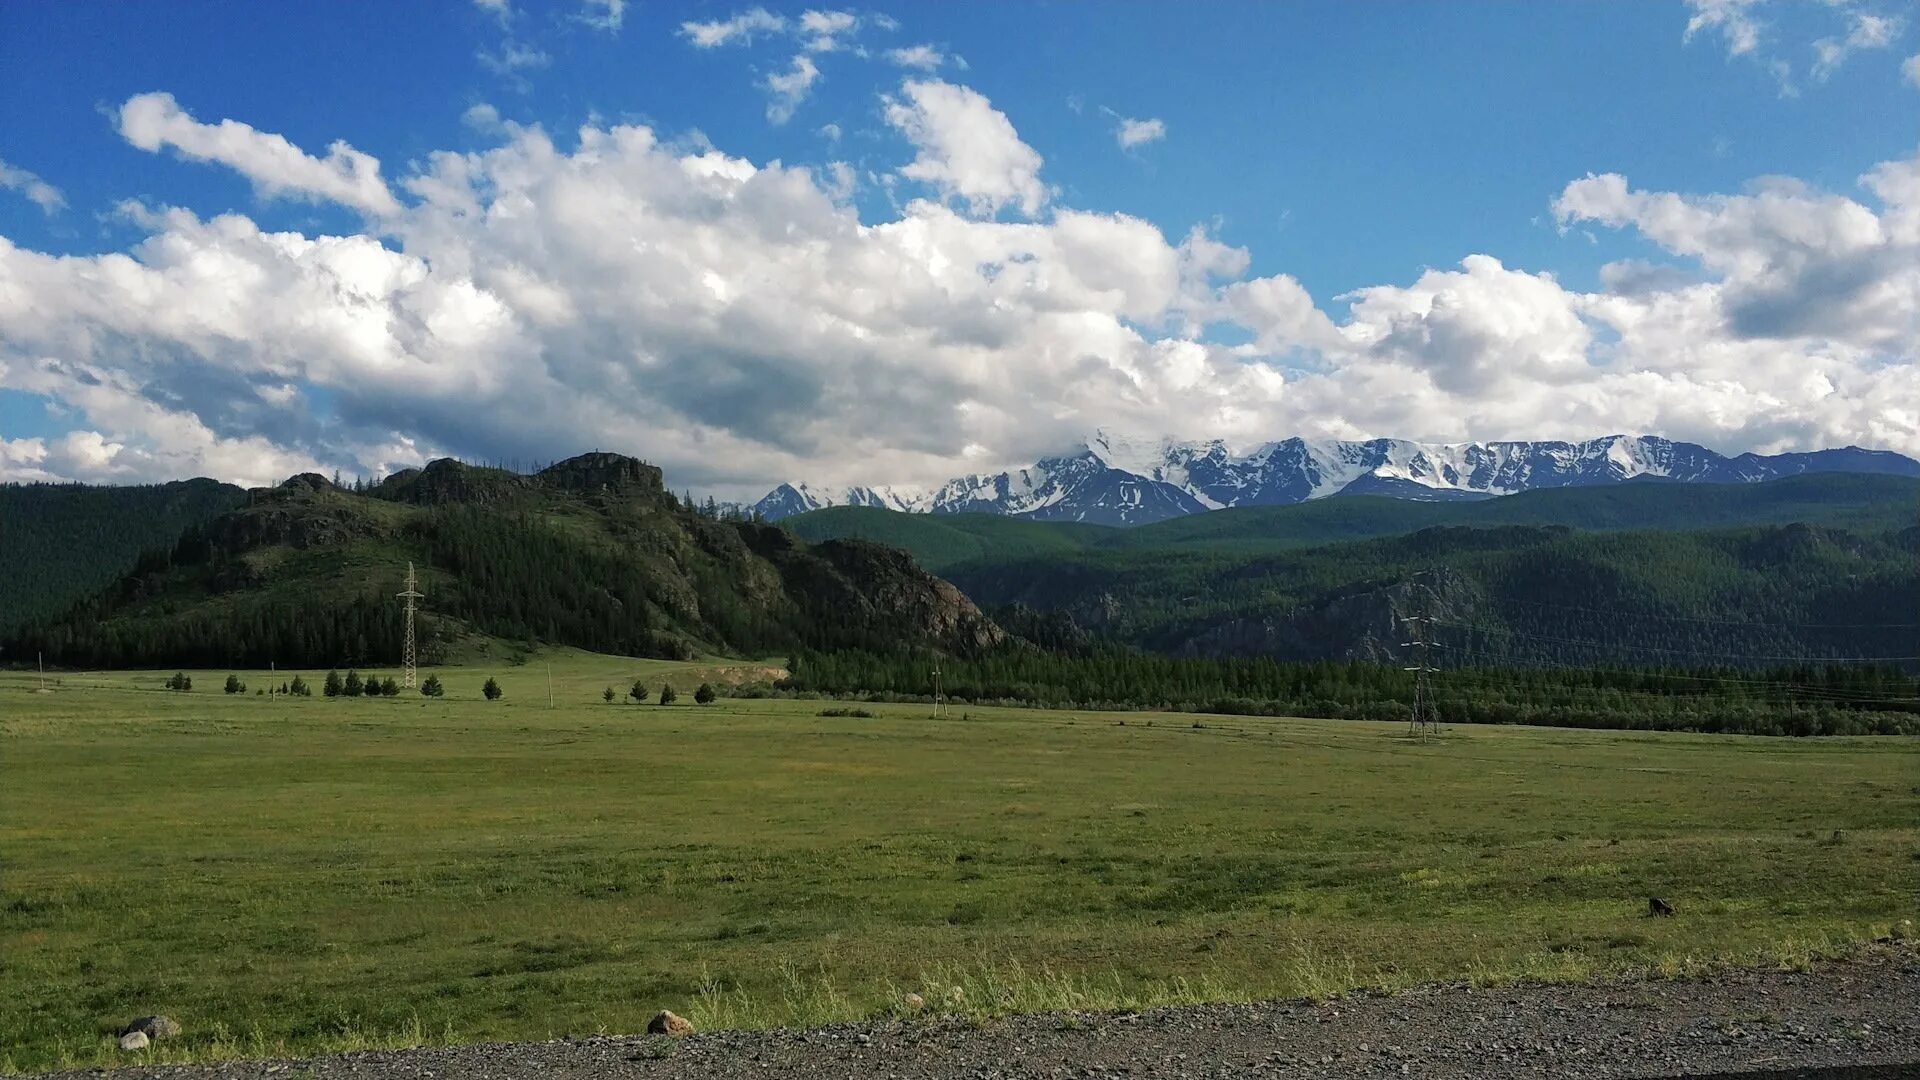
point(637, 693)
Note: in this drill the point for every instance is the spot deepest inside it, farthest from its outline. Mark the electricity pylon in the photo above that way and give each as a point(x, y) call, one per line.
point(1425, 719)
point(407, 658)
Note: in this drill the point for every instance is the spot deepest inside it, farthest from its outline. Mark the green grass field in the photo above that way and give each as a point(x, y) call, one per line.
point(296, 875)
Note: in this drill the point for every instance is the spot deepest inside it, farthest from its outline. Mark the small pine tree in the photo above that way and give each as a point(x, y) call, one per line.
point(389, 688)
point(704, 695)
point(492, 689)
point(667, 696)
point(285, 689)
point(432, 687)
point(638, 692)
point(332, 687)
point(353, 687)
point(235, 686)
point(178, 681)
point(607, 695)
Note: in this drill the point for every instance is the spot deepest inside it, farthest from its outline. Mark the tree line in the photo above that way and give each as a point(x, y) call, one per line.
point(1797, 700)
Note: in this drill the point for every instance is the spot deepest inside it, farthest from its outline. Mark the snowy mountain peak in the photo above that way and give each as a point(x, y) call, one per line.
point(1121, 479)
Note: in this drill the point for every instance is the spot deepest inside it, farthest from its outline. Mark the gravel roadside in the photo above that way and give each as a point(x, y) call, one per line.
point(1857, 1019)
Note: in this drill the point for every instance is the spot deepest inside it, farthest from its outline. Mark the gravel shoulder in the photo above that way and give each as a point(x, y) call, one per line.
point(1852, 1019)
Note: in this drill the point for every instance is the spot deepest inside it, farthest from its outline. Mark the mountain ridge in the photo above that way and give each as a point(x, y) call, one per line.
point(1120, 480)
point(592, 552)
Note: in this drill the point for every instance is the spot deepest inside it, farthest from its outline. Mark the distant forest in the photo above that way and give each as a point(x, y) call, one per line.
point(60, 542)
point(1830, 700)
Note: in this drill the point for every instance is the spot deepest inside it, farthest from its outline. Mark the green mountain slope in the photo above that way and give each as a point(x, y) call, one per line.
point(1752, 597)
point(592, 552)
point(61, 542)
point(940, 540)
point(1862, 502)
point(1844, 500)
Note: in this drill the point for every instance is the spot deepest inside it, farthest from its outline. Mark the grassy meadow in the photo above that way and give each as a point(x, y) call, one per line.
point(290, 875)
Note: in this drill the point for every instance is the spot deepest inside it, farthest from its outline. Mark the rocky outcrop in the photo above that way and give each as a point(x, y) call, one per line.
point(445, 480)
point(604, 473)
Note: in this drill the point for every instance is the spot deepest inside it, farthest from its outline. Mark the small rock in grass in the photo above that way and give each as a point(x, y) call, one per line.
point(134, 1040)
point(915, 1002)
point(153, 1027)
point(669, 1023)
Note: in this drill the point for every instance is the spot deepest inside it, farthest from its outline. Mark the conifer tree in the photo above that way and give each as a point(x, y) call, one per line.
point(607, 695)
point(431, 687)
point(704, 695)
point(638, 691)
point(353, 687)
point(234, 685)
point(667, 696)
point(333, 686)
point(492, 689)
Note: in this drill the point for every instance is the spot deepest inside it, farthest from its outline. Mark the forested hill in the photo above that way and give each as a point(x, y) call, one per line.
point(1756, 597)
point(591, 552)
point(60, 542)
point(1858, 502)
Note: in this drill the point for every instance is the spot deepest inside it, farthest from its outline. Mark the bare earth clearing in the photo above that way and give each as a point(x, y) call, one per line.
point(1857, 1018)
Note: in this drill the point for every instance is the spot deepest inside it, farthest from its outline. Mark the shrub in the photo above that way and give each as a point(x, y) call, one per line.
point(389, 688)
point(861, 714)
point(298, 688)
point(180, 681)
point(353, 687)
point(492, 689)
point(235, 686)
point(432, 687)
point(667, 695)
point(704, 695)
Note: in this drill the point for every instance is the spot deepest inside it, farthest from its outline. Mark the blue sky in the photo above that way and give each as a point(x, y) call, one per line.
point(1335, 147)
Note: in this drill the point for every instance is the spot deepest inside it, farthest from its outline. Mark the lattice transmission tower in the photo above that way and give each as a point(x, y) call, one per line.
point(408, 659)
point(1425, 719)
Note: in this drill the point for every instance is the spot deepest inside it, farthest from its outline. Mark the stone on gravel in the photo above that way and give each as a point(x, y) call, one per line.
point(134, 1040)
point(153, 1027)
point(669, 1023)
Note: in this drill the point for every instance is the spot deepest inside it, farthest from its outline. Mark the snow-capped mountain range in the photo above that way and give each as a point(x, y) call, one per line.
point(1117, 480)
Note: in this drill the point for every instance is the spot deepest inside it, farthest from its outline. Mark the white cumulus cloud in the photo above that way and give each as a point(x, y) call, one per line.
point(923, 57)
point(48, 198)
point(740, 323)
point(739, 29)
point(1131, 133)
point(275, 166)
point(968, 149)
point(790, 87)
